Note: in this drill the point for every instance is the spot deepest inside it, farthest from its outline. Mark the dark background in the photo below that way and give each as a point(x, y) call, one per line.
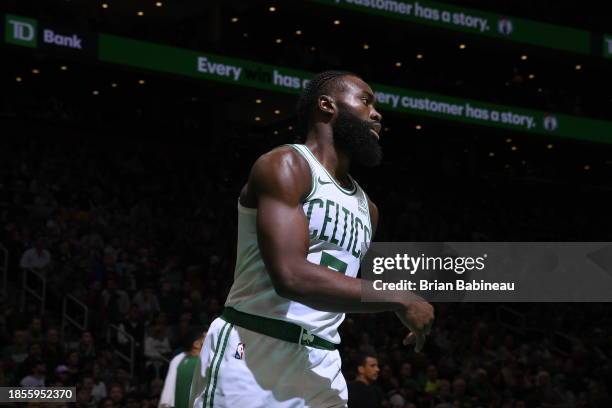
point(132, 190)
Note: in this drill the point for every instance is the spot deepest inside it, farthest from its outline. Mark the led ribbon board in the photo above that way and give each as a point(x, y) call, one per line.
point(194, 64)
point(474, 22)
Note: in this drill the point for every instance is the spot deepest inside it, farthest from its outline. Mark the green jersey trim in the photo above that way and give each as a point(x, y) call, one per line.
point(313, 186)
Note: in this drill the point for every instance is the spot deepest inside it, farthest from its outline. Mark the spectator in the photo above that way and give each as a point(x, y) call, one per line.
point(116, 301)
point(168, 299)
point(116, 394)
point(97, 388)
point(146, 301)
point(34, 356)
point(37, 257)
point(544, 394)
point(122, 377)
point(84, 398)
point(35, 331)
point(73, 365)
point(36, 377)
point(87, 349)
point(363, 393)
point(157, 345)
point(107, 403)
point(16, 352)
point(53, 350)
point(62, 376)
point(459, 396)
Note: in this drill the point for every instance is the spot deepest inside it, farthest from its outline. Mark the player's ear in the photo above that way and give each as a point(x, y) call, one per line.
point(327, 104)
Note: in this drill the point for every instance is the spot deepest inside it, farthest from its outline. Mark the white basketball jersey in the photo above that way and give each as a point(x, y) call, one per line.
point(340, 231)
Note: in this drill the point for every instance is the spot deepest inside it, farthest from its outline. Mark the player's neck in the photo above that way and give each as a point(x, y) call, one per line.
point(322, 146)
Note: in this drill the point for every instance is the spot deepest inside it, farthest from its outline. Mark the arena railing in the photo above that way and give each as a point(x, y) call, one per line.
point(116, 331)
point(70, 304)
point(4, 254)
point(39, 292)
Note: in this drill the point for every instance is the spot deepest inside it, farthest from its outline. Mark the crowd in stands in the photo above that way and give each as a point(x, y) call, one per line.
point(143, 233)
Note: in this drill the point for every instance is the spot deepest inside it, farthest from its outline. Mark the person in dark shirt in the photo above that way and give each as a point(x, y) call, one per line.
point(362, 392)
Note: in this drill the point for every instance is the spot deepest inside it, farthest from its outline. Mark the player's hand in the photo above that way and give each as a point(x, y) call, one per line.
point(418, 317)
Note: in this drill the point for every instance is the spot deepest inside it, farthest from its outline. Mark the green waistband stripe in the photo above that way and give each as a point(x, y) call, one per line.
point(279, 329)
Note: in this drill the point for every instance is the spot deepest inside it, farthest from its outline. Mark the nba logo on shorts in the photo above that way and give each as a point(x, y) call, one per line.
point(239, 351)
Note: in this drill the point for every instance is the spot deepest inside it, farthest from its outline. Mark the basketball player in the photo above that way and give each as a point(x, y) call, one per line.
point(178, 380)
point(303, 222)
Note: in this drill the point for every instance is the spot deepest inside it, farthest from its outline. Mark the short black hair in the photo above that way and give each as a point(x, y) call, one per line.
point(362, 356)
point(193, 334)
point(321, 84)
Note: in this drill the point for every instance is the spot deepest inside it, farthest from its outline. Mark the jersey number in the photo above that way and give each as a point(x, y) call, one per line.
point(332, 262)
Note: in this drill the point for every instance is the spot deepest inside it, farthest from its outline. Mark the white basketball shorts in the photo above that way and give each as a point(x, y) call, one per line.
point(239, 368)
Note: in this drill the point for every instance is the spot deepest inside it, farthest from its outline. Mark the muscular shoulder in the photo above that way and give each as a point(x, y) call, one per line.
point(282, 172)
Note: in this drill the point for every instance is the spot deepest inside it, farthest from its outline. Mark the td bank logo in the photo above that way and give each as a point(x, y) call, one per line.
point(20, 31)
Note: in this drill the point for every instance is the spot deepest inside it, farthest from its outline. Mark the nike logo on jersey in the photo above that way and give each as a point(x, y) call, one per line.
point(323, 182)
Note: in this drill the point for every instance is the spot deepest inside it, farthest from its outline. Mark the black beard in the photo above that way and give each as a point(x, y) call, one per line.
point(354, 137)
